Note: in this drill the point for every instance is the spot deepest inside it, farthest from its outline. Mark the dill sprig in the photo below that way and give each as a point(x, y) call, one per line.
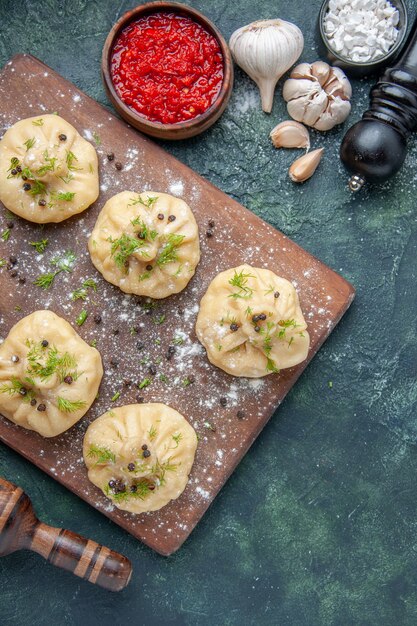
point(67, 179)
point(3, 262)
point(240, 280)
point(169, 252)
point(101, 455)
point(65, 263)
point(144, 232)
point(271, 367)
point(17, 387)
point(5, 236)
point(177, 438)
point(123, 247)
point(40, 246)
point(81, 317)
point(70, 162)
point(82, 292)
point(38, 122)
point(152, 432)
point(49, 165)
point(43, 362)
point(146, 203)
point(38, 188)
point(70, 406)
point(29, 143)
point(144, 383)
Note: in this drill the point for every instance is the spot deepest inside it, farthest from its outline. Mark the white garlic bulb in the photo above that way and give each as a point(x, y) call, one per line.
point(265, 50)
point(318, 95)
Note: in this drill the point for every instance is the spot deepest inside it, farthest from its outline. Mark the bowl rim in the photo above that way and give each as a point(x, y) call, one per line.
point(158, 7)
point(402, 33)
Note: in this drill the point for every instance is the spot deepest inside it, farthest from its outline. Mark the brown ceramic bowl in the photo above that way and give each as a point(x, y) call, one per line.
point(179, 130)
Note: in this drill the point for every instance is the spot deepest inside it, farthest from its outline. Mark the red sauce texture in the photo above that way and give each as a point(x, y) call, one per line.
point(167, 67)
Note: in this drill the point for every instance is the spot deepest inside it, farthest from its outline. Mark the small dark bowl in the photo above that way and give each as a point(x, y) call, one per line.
point(358, 70)
point(179, 130)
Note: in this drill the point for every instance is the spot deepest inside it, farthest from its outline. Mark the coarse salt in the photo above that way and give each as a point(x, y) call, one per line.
point(361, 30)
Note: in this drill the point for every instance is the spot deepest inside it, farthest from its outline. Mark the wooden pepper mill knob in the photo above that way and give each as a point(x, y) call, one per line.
point(20, 529)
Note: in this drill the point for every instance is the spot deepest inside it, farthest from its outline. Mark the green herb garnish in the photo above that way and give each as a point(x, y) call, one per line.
point(169, 253)
point(6, 234)
point(177, 439)
point(101, 455)
point(38, 122)
point(68, 406)
point(29, 143)
point(70, 162)
point(152, 432)
point(116, 396)
point(81, 318)
point(240, 280)
point(123, 248)
point(144, 383)
point(40, 246)
point(82, 292)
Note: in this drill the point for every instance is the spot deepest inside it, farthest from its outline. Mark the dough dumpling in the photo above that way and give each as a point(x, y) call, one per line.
point(48, 171)
point(251, 324)
point(146, 244)
point(140, 455)
point(49, 376)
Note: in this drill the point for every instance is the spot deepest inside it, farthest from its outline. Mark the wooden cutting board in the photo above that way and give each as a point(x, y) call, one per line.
point(28, 88)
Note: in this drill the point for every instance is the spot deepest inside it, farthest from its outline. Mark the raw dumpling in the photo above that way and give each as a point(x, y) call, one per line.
point(146, 244)
point(140, 455)
point(251, 324)
point(49, 376)
point(48, 171)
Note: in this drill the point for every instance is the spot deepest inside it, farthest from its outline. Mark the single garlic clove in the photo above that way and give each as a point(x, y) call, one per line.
point(290, 134)
point(303, 168)
point(321, 71)
point(302, 70)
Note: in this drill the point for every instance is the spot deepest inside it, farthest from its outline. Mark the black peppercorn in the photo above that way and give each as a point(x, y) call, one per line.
point(262, 317)
point(10, 224)
point(15, 359)
point(131, 467)
point(110, 156)
point(115, 331)
point(127, 382)
point(234, 327)
point(146, 454)
point(240, 414)
point(223, 401)
point(24, 177)
point(12, 260)
point(27, 186)
point(133, 488)
point(209, 234)
point(42, 202)
point(152, 370)
point(140, 399)
point(171, 349)
point(276, 294)
point(257, 329)
point(44, 343)
point(13, 172)
point(62, 137)
point(114, 363)
point(136, 329)
point(149, 268)
point(33, 402)
point(118, 165)
point(18, 168)
point(171, 218)
point(97, 319)
point(140, 345)
point(191, 379)
point(112, 484)
point(255, 318)
point(160, 216)
point(22, 280)
point(144, 447)
point(23, 391)
point(212, 223)
point(13, 274)
point(141, 236)
point(68, 380)
point(41, 407)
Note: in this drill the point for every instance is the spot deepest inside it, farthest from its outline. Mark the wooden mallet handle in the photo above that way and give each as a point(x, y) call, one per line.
point(20, 529)
point(83, 557)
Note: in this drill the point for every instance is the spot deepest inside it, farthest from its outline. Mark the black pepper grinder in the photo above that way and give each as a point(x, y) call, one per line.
point(374, 148)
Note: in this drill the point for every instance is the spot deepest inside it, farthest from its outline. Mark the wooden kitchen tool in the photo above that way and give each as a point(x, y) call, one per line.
point(20, 529)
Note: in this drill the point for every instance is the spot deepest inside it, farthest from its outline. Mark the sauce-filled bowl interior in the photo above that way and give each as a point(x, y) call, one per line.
point(167, 70)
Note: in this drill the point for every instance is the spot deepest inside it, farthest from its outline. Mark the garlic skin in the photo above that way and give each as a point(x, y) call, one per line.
point(303, 168)
point(318, 95)
point(265, 50)
point(290, 134)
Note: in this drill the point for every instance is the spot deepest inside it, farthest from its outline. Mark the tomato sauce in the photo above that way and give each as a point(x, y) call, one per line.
point(167, 67)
